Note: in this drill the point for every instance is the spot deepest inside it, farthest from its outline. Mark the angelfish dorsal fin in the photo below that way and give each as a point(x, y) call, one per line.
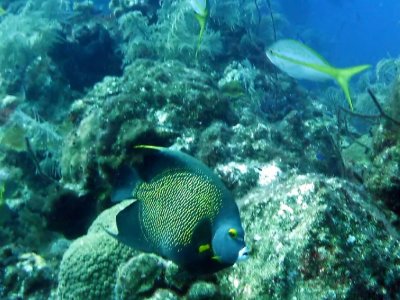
point(158, 160)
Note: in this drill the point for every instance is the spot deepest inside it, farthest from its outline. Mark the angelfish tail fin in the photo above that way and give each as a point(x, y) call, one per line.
point(343, 77)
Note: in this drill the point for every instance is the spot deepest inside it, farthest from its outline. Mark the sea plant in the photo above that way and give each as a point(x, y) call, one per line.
point(24, 38)
point(172, 36)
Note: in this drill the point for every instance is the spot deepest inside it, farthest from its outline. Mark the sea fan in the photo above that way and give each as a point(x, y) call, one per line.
point(25, 132)
point(137, 35)
point(24, 37)
point(178, 33)
point(174, 36)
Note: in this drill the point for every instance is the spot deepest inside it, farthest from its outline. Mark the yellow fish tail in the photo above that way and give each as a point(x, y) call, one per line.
point(202, 22)
point(343, 77)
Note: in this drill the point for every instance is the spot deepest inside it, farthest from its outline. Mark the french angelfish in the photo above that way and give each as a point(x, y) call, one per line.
point(183, 212)
point(301, 62)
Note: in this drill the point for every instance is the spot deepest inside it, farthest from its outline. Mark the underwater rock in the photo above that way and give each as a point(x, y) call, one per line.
point(153, 103)
point(170, 104)
point(301, 141)
point(311, 237)
point(203, 291)
point(382, 178)
point(138, 276)
point(24, 275)
point(87, 57)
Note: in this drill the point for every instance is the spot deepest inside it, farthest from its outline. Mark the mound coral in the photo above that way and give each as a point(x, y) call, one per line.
point(88, 268)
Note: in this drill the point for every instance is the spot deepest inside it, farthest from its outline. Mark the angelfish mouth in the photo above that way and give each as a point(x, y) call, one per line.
point(243, 254)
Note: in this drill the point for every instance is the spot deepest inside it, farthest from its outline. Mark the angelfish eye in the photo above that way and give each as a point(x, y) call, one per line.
point(233, 233)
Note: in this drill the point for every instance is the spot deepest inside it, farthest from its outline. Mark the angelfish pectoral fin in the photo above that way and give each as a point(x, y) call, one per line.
point(129, 229)
point(204, 248)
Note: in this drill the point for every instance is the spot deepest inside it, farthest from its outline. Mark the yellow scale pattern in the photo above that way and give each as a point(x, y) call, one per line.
point(173, 204)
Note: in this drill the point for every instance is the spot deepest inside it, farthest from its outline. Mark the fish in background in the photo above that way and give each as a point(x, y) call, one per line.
point(301, 62)
point(201, 12)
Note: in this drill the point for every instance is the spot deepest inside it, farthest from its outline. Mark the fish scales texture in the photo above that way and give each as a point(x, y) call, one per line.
point(173, 203)
point(183, 212)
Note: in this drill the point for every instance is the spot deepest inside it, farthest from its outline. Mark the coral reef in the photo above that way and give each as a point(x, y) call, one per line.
point(189, 112)
point(98, 266)
point(86, 55)
point(383, 176)
point(310, 236)
point(26, 37)
point(183, 100)
point(173, 36)
point(92, 259)
point(307, 233)
point(28, 275)
point(317, 186)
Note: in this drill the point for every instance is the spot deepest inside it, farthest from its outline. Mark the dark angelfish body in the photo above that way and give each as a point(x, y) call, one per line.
point(183, 212)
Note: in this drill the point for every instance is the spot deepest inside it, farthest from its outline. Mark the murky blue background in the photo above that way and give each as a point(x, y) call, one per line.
point(346, 32)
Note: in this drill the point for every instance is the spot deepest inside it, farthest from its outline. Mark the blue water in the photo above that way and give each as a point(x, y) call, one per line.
point(346, 32)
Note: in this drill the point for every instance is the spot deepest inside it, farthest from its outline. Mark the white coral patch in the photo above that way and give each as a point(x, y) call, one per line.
point(268, 174)
point(161, 116)
point(300, 192)
point(233, 167)
point(284, 208)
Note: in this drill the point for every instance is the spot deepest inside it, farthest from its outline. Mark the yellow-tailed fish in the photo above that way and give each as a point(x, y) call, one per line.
point(201, 13)
point(183, 212)
point(301, 62)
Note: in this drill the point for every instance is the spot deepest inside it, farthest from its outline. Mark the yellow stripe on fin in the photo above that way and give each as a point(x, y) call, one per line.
point(149, 147)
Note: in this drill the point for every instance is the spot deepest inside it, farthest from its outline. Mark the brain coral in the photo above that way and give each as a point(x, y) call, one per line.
point(89, 266)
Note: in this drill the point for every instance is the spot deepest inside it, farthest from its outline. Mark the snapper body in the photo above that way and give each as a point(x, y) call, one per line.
point(301, 62)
